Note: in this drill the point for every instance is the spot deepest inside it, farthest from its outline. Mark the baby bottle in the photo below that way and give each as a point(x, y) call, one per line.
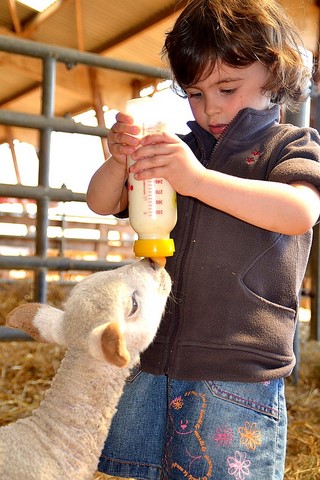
point(152, 202)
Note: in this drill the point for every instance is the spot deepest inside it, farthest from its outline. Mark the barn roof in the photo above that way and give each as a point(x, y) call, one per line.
point(126, 30)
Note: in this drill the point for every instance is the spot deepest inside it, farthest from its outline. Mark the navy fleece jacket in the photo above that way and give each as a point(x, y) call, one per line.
point(234, 304)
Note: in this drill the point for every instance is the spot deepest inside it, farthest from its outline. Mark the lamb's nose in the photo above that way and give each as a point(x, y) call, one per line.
point(158, 262)
point(153, 265)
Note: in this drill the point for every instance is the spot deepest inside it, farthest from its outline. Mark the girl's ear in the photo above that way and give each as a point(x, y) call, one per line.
point(42, 322)
point(107, 343)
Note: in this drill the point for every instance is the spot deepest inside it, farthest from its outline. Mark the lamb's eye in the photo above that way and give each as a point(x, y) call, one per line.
point(134, 304)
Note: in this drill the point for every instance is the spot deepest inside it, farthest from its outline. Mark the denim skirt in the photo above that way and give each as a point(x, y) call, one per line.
point(197, 430)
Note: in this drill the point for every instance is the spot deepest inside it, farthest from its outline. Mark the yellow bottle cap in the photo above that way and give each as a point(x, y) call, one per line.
point(154, 248)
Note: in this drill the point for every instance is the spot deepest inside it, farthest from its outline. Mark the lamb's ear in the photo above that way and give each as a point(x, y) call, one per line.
point(22, 318)
point(41, 322)
point(106, 342)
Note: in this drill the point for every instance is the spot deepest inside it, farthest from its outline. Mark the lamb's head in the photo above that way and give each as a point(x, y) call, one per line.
point(112, 314)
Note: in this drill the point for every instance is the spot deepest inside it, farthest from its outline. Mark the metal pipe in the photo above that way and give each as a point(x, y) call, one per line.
point(72, 56)
point(56, 263)
point(60, 124)
point(48, 92)
point(62, 194)
point(11, 335)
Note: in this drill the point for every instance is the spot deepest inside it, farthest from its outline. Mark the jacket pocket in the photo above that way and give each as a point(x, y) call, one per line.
point(276, 274)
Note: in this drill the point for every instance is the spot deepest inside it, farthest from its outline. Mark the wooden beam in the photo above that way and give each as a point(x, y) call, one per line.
point(14, 15)
point(10, 139)
point(79, 24)
point(13, 154)
point(98, 106)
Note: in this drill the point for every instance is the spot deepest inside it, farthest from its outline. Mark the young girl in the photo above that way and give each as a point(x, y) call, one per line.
point(208, 398)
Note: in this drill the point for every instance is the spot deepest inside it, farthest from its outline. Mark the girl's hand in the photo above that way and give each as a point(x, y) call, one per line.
point(121, 139)
point(164, 155)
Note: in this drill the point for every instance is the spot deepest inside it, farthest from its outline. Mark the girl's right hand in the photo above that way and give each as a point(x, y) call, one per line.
point(121, 138)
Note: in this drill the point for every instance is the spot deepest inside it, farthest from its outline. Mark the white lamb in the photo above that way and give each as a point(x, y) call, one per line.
point(109, 318)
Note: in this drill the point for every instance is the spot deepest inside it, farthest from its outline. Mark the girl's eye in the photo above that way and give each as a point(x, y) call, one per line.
point(134, 304)
point(228, 91)
point(194, 95)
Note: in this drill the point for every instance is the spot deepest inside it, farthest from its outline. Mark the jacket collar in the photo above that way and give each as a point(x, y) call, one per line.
point(246, 125)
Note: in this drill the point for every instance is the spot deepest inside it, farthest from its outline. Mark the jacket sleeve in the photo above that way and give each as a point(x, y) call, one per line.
point(299, 159)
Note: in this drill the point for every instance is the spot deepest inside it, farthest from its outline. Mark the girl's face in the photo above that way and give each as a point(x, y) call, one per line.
point(216, 99)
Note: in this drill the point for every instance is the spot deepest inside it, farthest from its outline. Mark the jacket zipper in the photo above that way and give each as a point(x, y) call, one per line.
point(181, 271)
point(177, 306)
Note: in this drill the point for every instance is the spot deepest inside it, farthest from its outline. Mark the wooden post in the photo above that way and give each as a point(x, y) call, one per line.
point(315, 282)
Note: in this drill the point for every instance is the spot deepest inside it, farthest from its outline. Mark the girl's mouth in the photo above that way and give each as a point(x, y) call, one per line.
point(218, 129)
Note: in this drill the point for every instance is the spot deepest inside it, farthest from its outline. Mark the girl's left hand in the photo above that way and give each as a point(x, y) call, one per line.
point(164, 155)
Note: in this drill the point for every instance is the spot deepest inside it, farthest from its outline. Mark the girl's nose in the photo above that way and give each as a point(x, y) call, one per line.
point(211, 108)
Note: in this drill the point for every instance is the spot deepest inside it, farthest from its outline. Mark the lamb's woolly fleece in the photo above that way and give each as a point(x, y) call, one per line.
point(63, 438)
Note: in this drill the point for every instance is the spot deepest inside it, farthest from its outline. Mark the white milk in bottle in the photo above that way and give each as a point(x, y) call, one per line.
point(152, 202)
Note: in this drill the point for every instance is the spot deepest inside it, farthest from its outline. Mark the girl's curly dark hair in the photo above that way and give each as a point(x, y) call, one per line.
point(238, 33)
